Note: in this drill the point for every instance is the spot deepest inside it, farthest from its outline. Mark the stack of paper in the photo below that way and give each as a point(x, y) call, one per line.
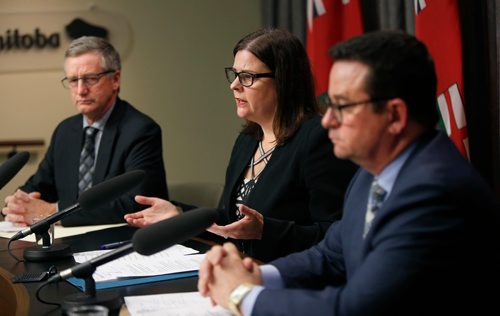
point(9, 227)
point(175, 262)
point(191, 303)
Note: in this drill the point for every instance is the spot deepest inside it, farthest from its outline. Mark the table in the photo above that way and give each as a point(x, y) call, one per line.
point(90, 241)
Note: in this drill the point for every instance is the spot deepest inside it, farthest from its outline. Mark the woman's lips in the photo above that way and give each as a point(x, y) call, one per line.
point(240, 102)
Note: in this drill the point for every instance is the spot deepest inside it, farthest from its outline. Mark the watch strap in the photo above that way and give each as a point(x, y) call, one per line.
point(237, 296)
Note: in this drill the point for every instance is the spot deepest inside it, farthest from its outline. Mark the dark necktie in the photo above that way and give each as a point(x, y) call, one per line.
point(375, 199)
point(87, 158)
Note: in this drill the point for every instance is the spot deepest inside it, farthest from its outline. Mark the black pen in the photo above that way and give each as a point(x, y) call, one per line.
point(114, 245)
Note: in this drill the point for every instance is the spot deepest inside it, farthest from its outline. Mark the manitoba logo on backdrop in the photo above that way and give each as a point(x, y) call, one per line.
point(14, 39)
point(79, 27)
point(36, 41)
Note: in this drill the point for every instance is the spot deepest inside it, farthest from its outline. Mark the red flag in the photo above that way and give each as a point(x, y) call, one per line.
point(437, 24)
point(329, 22)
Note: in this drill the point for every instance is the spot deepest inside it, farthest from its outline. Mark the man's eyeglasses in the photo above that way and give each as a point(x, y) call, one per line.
point(87, 80)
point(246, 78)
point(337, 108)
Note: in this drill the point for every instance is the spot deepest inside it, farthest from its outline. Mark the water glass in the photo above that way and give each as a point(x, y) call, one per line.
point(88, 310)
point(39, 237)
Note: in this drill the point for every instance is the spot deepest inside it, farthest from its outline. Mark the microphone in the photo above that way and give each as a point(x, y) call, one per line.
point(97, 195)
point(87, 268)
point(154, 238)
point(84, 270)
point(148, 240)
point(12, 166)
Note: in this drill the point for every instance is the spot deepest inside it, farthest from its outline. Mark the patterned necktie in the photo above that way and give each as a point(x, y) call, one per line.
point(87, 158)
point(375, 199)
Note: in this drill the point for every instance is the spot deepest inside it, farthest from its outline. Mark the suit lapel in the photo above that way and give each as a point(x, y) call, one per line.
point(107, 142)
point(73, 158)
point(242, 160)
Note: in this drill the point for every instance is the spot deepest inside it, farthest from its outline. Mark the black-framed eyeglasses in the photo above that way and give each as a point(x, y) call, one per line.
point(88, 80)
point(246, 78)
point(337, 108)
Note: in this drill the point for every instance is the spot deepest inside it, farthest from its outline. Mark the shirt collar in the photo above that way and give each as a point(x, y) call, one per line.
point(387, 177)
point(100, 123)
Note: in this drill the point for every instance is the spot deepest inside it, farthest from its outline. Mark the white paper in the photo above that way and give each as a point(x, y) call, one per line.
point(59, 231)
point(175, 259)
point(173, 304)
point(9, 227)
point(175, 250)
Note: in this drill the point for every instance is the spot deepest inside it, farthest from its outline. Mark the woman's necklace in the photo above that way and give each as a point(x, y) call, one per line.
point(263, 157)
point(247, 185)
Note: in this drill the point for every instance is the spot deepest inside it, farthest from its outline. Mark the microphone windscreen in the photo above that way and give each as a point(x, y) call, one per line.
point(152, 239)
point(110, 189)
point(12, 166)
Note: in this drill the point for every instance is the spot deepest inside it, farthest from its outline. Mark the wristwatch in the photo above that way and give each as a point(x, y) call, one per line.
point(237, 296)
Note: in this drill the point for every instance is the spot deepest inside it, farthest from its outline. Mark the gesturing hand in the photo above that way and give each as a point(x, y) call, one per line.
point(159, 210)
point(249, 227)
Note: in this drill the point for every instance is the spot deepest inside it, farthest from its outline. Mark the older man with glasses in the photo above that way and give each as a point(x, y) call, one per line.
point(107, 138)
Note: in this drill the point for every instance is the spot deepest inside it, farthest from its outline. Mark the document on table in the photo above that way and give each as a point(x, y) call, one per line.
point(9, 227)
point(175, 259)
point(173, 304)
point(7, 230)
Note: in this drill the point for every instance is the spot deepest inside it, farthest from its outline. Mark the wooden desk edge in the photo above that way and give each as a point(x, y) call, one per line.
point(14, 293)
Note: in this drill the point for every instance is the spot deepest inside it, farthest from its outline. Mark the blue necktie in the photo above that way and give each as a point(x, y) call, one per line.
point(87, 158)
point(375, 199)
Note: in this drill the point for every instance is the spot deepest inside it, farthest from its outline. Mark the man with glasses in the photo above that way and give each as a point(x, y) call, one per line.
point(107, 138)
point(420, 229)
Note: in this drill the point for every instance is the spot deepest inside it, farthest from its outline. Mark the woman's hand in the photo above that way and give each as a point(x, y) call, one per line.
point(159, 210)
point(250, 226)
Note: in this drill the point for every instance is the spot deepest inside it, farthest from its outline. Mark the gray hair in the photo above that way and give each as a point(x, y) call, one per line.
point(110, 59)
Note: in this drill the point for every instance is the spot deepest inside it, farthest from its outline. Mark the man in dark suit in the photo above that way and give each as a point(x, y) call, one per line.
point(123, 139)
point(419, 233)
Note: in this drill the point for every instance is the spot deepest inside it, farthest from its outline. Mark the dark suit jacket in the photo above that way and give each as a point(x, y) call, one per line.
point(131, 140)
point(300, 192)
point(432, 248)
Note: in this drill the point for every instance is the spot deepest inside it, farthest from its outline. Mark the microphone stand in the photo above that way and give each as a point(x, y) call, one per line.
point(112, 300)
point(47, 251)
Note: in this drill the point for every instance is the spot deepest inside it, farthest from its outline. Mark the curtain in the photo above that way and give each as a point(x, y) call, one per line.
point(286, 14)
point(480, 27)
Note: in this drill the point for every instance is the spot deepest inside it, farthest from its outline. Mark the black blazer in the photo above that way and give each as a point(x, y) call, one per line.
point(130, 141)
point(300, 191)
